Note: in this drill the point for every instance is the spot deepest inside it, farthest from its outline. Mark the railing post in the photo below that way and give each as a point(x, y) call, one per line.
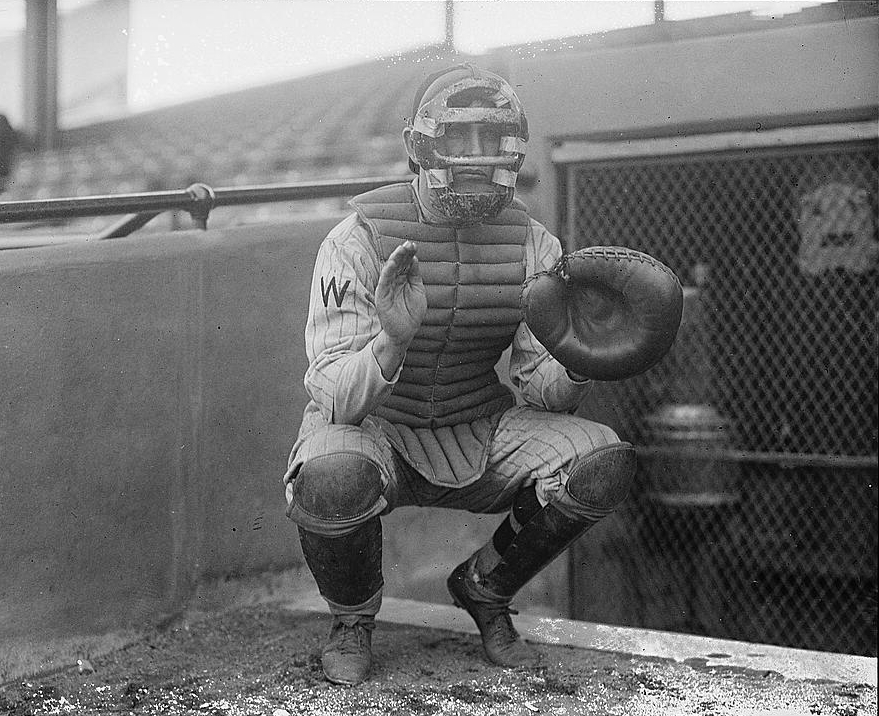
point(203, 199)
point(127, 224)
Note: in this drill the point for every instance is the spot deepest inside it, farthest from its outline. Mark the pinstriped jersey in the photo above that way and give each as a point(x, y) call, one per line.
point(346, 384)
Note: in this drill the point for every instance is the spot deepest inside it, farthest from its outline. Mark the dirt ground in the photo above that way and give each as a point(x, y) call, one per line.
point(264, 660)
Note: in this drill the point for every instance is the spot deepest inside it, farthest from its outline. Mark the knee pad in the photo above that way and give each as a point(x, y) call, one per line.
point(334, 494)
point(600, 481)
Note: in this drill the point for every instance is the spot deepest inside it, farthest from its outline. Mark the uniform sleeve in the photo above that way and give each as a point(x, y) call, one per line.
point(541, 379)
point(343, 377)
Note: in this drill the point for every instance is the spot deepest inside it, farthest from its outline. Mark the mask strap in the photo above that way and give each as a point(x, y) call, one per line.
point(504, 177)
point(513, 144)
point(437, 178)
point(428, 126)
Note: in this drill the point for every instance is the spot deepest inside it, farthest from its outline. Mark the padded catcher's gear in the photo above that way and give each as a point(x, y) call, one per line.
point(605, 312)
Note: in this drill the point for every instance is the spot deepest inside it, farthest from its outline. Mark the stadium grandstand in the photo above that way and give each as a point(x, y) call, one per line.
point(331, 125)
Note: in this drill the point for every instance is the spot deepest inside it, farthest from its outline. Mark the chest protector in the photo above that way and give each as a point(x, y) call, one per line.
point(473, 277)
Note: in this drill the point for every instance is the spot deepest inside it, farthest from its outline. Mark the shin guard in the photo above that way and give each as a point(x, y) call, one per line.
point(594, 489)
point(347, 569)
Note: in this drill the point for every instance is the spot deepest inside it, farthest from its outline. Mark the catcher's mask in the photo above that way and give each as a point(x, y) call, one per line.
point(438, 104)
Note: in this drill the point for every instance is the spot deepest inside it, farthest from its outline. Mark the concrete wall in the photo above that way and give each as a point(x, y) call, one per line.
point(807, 73)
point(151, 388)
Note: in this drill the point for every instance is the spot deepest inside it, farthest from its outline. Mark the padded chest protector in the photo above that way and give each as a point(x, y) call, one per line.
point(473, 277)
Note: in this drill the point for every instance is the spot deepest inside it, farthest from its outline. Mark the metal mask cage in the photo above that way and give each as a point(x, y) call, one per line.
point(432, 117)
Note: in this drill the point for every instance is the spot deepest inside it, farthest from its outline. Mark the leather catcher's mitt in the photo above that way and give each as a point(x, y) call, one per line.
point(605, 312)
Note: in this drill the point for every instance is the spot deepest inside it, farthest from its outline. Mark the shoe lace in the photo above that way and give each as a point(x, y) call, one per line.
point(351, 637)
point(500, 623)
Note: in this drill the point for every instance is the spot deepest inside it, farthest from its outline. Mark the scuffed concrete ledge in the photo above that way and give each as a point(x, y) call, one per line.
point(44, 652)
point(296, 592)
point(696, 650)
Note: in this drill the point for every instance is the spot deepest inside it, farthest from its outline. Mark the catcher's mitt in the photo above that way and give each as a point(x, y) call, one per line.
point(606, 312)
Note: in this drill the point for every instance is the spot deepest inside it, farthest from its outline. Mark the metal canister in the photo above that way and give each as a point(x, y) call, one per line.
point(687, 460)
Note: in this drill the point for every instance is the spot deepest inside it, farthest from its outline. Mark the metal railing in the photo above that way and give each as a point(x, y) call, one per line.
point(198, 199)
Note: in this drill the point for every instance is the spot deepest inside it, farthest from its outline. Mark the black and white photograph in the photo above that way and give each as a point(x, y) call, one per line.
point(423, 357)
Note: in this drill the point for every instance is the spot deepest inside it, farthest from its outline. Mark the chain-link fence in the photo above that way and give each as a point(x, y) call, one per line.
point(755, 514)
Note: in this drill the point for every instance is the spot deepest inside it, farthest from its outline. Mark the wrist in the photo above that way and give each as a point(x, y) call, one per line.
point(389, 353)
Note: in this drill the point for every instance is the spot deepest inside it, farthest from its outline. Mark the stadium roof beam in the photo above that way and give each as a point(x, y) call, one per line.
point(449, 41)
point(41, 73)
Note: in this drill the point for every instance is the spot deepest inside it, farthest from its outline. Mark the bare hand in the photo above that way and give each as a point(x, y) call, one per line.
point(400, 297)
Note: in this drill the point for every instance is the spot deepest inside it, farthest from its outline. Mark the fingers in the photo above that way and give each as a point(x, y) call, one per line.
point(401, 257)
point(400, 296)
point(401, 264)
point(414, 268)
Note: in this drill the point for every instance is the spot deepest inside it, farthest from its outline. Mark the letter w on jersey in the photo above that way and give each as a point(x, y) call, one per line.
point(338, 294)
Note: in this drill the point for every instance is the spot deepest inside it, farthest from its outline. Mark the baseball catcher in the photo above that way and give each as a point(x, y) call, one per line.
point(414, 297)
